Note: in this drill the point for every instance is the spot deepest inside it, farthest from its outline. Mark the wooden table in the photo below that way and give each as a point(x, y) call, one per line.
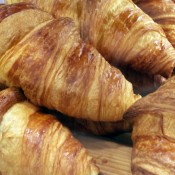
point(112, 155)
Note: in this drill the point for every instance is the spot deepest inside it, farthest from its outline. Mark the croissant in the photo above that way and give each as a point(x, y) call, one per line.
point(153, 119)
point(162, 12)
point(56, 69)
point(34, 143)
point(120, 31)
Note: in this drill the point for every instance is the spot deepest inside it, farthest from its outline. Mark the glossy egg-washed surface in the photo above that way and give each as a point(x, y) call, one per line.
point(162, 12)
point(154, 132)
point(56, 69)
point(33, 143)
point(120, 31)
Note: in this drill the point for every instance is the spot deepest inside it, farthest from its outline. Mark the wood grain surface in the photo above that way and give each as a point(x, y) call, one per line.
point(112, 155)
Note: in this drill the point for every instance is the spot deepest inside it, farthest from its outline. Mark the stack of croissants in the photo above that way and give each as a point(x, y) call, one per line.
point(106, 65)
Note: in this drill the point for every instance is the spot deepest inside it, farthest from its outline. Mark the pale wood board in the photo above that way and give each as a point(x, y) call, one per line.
point(112, 155)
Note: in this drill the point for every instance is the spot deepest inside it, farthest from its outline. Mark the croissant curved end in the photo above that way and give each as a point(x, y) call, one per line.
point(30, 140)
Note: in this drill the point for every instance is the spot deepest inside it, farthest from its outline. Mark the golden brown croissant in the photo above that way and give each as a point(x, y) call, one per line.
point(119, 30)
point(34, 143)
point(56, 69)
point(154, 132)
point(162, 12)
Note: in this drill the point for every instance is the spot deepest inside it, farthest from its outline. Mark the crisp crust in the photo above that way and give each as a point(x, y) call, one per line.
point(163, 13)
point(153, 156)
point(8, 10)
